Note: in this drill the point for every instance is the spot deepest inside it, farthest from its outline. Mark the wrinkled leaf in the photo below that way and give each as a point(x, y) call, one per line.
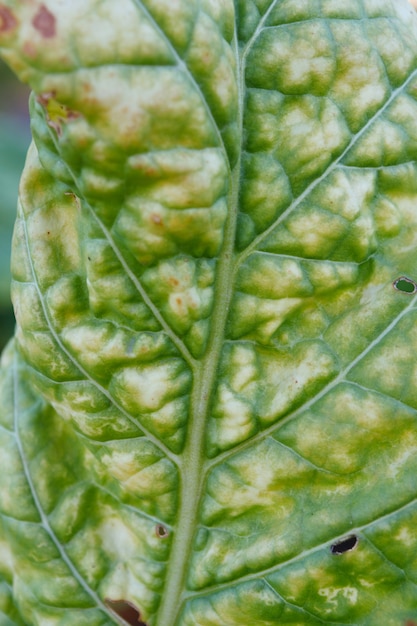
point(208, 414)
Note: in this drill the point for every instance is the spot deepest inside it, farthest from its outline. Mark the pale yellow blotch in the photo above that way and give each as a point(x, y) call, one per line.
point(268, 314)
point(389, 373)
point(298, 71)
point(277, 312)
point(99, 184)
point(209, 47)
point(6, 557)
point(27, 306)
point(387, 218)
point(406, 536)
point(247, 497)
point(369, 96)
point(243, 367)
point(372, 293)
point(146, 388)
point(183, 303)
point(97, 344)
point(237, 420)
point(396, 466)
point(333, 595)
point(326, 277)
point(273, 276)
point(183, 179)
point(121, 464)
point(315, 364)
point(133, 472)
point(117, 539)
point(50, 621)
point(367, 411)
point(347, 192)
point(366, 583)
point(124, 583)
point(59, 227)
point(315, 230)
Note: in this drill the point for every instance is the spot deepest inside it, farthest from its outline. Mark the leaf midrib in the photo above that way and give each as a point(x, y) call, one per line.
point(193, 466)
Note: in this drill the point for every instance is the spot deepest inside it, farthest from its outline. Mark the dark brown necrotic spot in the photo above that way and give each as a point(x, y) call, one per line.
point(7, 19)
point(126, 611)
point(44, 21)
point(344, 545)
point(406, 285)
point(161, 531)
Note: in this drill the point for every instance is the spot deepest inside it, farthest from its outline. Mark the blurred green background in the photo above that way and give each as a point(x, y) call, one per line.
point(14, 141)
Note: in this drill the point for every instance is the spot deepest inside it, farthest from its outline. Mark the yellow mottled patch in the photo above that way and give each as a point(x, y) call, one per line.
point(117, 539)
point(333, 595)
point(6, 557)
point(238, 421)
point(396, 466)
point(243, 367)
point(406, 536)
point(289, 379)
point(259, 318)
point(147, 387)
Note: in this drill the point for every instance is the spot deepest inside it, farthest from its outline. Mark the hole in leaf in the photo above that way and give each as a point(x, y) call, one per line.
point(161, 531)
point(344, 545)
point(126, 611)
point(406, 285)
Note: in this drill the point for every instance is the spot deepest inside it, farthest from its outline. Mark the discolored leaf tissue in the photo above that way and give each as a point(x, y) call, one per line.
point(208, 413)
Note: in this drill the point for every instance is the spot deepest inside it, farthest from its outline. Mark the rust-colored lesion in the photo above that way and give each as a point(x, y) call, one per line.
point(57, 114)
point(8, 20)
point(45, 22)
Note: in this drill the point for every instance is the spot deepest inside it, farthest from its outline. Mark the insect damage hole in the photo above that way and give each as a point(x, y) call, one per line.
point(344, 545)
point(406, 285)
point(161, 531)
point(126, 610)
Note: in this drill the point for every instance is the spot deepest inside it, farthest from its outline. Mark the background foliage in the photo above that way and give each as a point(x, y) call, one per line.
point(14, 139)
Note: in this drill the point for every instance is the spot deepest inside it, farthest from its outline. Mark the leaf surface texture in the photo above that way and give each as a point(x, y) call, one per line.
point(208, 411)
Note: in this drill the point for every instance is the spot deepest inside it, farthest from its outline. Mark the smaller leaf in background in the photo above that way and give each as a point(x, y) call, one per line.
point(14, 140)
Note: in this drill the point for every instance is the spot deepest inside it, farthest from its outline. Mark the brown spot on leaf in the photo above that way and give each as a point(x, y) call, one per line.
point(7, 19)
point(56, 113)
point(55, 126)
point(410, 622)
point(45, 22)
point(161, 531)
point(126, 610)
point(156, 219)
point(44, 98)
point(29, 49)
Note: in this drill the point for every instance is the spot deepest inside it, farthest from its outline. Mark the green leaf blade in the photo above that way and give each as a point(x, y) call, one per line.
point(214, 233)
